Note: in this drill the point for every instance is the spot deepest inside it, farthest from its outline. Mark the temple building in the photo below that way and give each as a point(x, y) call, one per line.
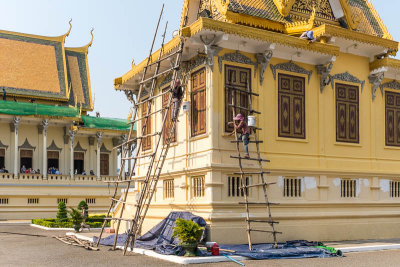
point(50, 149)
point(330, 119)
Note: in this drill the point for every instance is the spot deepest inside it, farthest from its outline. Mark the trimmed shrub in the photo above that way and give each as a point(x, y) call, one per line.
point(84, 204)
point(62, 215)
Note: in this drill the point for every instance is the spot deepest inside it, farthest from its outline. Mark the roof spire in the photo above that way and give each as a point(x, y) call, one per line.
point(91, 40)
point(70, 28)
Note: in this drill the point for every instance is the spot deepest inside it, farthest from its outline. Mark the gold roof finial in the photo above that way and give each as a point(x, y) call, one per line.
point(133, 63)
point(91, 40)
point(70, 28)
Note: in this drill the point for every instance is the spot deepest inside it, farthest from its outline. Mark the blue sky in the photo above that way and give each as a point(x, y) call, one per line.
point(123, 30)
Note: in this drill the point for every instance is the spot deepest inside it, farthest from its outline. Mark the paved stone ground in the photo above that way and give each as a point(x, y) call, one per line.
point(22, 245)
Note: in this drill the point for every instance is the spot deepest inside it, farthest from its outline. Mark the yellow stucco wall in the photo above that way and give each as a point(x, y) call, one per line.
point(319, 161)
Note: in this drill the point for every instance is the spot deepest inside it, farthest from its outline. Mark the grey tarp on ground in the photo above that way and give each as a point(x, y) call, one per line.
point(160, 239)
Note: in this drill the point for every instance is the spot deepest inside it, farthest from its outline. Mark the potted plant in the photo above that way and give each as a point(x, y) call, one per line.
point(189, 234)
point(76, 219)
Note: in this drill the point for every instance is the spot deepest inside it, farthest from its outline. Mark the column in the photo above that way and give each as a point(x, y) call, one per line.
point(99, 136)
point(72, 135)
point(45, 124)
point(16, 126)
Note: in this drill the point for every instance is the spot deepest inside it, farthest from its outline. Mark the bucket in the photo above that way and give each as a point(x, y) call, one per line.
point(251, 121)
point(185, 106)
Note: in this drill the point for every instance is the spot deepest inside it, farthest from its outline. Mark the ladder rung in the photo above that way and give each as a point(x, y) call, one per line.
point(159, 74)
point(119, 219)
point(255, 185)
point(241, 90)
point(148, 135)
point(252, 142)
point(124, 202)
point(150, 114)
point(262, 221)
point(118, 182)
point(243, 108)
point(151, 98)
point(259, 203)
point(253, 173)
point(237, 157)
point(255, 128)
point(140, 157)
point(264, 231)
point(168, 56)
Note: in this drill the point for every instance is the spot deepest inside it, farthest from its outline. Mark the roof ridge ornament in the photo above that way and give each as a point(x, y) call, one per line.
point(284, 6)
point(70, 28)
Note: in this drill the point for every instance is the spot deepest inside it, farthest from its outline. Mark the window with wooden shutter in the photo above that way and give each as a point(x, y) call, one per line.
point(392, 112)
point(347, 113)
point(238, 78)
point(104, 164)
point(146, 145)
point(291, 106)
point(168, 122)
point(198, 100)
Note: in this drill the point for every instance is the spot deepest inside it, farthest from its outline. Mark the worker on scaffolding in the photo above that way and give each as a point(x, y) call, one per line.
point(244, 132)
point(177, 94)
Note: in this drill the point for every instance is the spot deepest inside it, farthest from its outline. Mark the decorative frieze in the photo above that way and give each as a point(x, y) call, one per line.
point(194, 62)
point(347, 77)
point(290, 67)
point(237, 57)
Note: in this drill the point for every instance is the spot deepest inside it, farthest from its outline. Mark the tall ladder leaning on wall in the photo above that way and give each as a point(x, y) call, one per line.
point(244, 187)
point(155, 166)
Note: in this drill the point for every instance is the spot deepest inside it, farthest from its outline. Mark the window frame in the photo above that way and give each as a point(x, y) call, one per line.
point(200, 191)
point(147, 143)
point(395, 108)
point(292, 95)
point(243, 96)
point(347, 140)
point(164, 103)
point(197, 131)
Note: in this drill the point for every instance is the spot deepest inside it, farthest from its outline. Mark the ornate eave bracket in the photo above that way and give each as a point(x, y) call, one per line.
point(324, 71)
point(290, 67)
point(210, 49)
point(390, 85)
point(376, 78)
point(263, 59)
point(346, 77)
point(237, 57)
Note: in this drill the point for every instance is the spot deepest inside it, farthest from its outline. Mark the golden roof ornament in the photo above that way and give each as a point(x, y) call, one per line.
point(284, 6)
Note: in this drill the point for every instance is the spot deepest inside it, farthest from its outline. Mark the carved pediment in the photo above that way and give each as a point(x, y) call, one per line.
point(290, 67)
point(3, 145)
point(391, 85)
point(238, 58)
point(347, 77)
point(79, 148)
point(54, 147)
point(103, 149)
point(27, 145)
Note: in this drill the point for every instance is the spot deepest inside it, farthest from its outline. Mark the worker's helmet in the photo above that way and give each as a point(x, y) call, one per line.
point(239, 117)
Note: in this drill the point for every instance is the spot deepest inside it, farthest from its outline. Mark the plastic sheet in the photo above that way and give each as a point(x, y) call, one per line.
point(160, 239)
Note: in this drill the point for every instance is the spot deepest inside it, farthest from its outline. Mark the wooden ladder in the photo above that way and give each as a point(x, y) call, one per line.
point(156, 159)
point(244, 187)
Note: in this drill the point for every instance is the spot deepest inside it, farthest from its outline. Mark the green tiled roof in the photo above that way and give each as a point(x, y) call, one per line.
point(106, 123)
point(265, 9)
point(23, 108)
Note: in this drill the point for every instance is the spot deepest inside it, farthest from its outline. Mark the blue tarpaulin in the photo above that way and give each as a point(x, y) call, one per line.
point(160, 239)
